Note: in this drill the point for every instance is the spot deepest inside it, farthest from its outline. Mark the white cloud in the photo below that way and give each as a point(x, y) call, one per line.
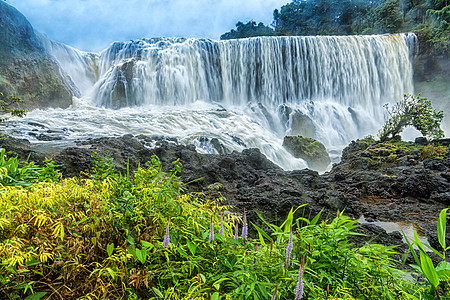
point(93, 24)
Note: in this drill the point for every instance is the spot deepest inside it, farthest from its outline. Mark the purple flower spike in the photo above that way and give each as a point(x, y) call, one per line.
point(289, 248)
point(236, 230)
point(221, 230)
point(211, 231)
point(166, 241)
point(244, 227)
point(299, 287)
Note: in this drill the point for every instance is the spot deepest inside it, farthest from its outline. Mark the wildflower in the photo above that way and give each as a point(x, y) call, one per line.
point(289, 248)
point(274, 296)
point(299, 287)
point(244, 227)
point(166, 241)
point(211, 232)
point(236, 230)
point(221, 230)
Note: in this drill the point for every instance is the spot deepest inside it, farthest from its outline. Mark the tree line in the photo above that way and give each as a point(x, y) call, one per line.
point(429, 19)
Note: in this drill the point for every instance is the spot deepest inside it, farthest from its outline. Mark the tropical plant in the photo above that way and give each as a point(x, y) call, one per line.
point(413, 111)
point(139, 236)
point(438, 277)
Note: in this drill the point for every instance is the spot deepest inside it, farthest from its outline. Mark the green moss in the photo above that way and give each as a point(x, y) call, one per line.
point(312, 151)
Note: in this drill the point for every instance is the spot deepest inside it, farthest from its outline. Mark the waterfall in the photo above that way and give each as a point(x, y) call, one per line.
point(331, 88)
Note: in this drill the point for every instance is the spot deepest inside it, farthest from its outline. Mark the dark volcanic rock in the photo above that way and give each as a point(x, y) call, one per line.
point(365, 182)
point(26, 69)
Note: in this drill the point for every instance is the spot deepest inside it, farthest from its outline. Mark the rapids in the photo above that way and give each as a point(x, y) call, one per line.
point(245, 93)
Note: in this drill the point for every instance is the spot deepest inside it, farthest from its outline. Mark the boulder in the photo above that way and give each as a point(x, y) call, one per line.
point(301, 125)
point(312, 151)
point(26, 68)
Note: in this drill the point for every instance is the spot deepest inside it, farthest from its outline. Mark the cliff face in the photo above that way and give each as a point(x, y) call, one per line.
point(26, 69)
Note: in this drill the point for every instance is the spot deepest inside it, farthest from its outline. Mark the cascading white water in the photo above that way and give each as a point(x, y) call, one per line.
point(330, 88)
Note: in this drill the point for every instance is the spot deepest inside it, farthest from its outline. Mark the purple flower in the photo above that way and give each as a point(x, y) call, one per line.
point(244, 227)
point(166, 241)
point(299, 287)
point(211, 231)
point(236, 230)
point(289, 248)
point(221, 230)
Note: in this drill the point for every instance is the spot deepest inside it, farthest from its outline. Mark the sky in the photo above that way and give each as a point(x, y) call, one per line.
point(91, 25)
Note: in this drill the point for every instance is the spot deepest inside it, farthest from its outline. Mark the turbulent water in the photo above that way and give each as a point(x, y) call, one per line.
point(245, 93)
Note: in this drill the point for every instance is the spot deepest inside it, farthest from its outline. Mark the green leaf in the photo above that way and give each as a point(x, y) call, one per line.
point(215, 296)
point(316, 218)
point(36, 296)
point(442, 222)
point(110, 249)
point(147, 245)
point(428, 269)
point(290, 219)
point(410, 246)
point(132, 251)
point(192, 247)
point(141, 255)
point(157, 292)
point(261, 234)
point(443, 270)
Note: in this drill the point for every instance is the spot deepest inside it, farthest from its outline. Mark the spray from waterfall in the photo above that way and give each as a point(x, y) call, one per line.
point(245, 93)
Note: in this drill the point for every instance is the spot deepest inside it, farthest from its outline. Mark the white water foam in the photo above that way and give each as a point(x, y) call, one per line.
point(246, 93)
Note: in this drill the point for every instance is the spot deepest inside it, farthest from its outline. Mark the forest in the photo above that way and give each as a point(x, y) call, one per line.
point(429, 19)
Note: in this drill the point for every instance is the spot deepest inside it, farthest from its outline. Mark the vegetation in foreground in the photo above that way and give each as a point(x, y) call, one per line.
point(138, 236)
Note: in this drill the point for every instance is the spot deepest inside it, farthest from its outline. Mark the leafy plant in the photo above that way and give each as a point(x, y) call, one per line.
point(8, 106)
point(109, 237)
point(24, 173)
point(432, 151)
point(413, 111)
point(438, 277)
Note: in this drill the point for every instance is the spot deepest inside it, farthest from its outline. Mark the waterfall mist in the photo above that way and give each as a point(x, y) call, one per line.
point(244, 93)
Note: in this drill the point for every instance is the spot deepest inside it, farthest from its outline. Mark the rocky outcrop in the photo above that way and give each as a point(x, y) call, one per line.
point(26, 69)
point(380, 181)
point(312, 151)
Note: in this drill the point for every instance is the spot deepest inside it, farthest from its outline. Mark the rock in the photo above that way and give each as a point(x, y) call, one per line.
point(26, 69)
point(312, 151)
point(399, 192)
point(302, 125)
point(122, 91)
point(421, 140)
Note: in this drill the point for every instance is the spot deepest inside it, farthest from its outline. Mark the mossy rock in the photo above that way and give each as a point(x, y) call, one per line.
point(26, 69)
point(313, 152)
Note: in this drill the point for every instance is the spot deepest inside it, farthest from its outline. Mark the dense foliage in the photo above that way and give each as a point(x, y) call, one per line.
point(251, 29)
point(430, 19)
point(9, 105)
point(413, 111)
point(138, 236)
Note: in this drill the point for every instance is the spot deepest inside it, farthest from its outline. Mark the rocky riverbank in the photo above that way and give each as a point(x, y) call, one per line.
point(390, 182)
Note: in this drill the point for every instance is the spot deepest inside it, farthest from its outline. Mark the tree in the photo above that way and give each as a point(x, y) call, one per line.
point(389, 17)
point(8, 106)
point(413, 111)
point(251, 29)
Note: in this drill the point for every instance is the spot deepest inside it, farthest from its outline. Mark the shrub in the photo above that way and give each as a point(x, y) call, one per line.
point(412, 111)
point(109, 237)
point(8, 106)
